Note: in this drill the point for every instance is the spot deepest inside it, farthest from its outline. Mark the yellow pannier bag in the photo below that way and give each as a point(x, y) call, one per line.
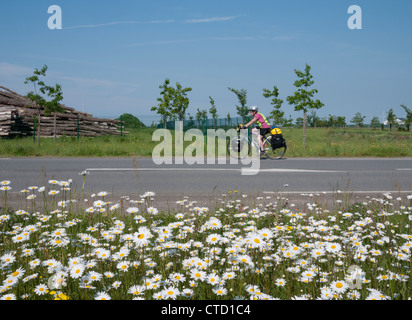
point(275, 131)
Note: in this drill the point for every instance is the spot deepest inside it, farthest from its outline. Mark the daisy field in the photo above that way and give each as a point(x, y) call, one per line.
point(59, 247)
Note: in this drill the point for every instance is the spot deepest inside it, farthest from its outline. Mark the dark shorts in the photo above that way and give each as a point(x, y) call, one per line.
point(264, 132)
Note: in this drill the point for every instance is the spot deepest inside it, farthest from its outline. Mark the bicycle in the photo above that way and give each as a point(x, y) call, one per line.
point(235, 146)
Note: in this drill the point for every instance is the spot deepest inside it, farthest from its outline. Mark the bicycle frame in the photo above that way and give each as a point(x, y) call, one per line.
point(270, 153)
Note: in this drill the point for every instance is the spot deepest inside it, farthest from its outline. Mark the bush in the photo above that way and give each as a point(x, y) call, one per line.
point(131, 122)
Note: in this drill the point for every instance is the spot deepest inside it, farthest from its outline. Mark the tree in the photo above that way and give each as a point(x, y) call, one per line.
point(302, 98)
point(229, 119)
point(391, 118)
point(312, 119)
point(288, 122)
point(131, 122)
point(173, 102)
point(276, 114)
point(180, 101)
point(341, 121)
point(50, 107)
point(201, 116)
point(375, 123)
point(408, 121)
point(242, 110)
point(299, 122)
point(358, 119)
point(53, 106)
point(164, 102)
point(213, 111)
point(322, 122)
point(332, 120)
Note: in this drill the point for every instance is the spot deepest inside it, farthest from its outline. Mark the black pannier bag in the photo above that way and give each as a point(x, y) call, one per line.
point(277, 141)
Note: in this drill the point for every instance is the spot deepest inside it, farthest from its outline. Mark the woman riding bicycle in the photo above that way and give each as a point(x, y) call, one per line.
point(263, 126)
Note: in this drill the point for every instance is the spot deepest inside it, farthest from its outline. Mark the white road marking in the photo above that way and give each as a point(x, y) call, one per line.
point(210, 169)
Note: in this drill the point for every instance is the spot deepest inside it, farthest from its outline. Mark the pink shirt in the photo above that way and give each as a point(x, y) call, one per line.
point(259, 118)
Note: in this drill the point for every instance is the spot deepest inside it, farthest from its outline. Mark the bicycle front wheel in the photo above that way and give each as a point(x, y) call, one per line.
point(276, 153)
point(238, 147)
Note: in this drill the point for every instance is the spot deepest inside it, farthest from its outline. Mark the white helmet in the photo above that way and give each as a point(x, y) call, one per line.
point(253, 108)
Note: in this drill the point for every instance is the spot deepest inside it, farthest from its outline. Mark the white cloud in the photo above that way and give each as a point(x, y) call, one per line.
point(92, 82)
point(233, 38)
point(211, 19)
point(282, 38)
point(117, 23)
point(159, 42)
point(13, 70)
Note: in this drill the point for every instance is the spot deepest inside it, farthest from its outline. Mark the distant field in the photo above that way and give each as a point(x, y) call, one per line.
point(320, 142)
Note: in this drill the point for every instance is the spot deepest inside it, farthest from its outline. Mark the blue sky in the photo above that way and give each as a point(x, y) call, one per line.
point(111, 56)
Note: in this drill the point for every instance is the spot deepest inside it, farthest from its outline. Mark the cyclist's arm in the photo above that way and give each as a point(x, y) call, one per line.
point(249, 123)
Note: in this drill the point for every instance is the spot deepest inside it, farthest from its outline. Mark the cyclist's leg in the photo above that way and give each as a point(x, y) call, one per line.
point(256, 131)
point(260, 139)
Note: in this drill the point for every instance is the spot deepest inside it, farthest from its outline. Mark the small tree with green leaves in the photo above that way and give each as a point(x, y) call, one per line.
point(164, 102)
point(375, 123)
point(391, 118)
point(40, 102)
point(276, 114)
point(213, 111)
point(180, 101)
point(242, 109)
point(358, 119)
point(408, 121)
point(341, 121)
point(173, 102)
point(312, 119)
point(229, 119)
point(288, 122)
point(299, 122)
point(302, 97)
point(201, 117)
point(332, 121)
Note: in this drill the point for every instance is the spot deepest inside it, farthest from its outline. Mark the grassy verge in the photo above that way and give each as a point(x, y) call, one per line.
point(320, 142)
point(349, 142)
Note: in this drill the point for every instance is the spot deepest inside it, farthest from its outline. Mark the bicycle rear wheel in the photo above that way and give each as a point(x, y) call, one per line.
point(238, 147)
point(271, 153)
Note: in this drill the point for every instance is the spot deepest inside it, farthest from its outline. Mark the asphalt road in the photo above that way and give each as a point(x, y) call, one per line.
point(128, 176)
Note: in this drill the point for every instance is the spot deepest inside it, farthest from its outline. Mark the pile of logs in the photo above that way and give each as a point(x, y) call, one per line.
point(18, 116)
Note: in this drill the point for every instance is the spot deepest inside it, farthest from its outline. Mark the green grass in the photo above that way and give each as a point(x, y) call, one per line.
point(320, 142)
point(348, 142)
point(137, 143)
